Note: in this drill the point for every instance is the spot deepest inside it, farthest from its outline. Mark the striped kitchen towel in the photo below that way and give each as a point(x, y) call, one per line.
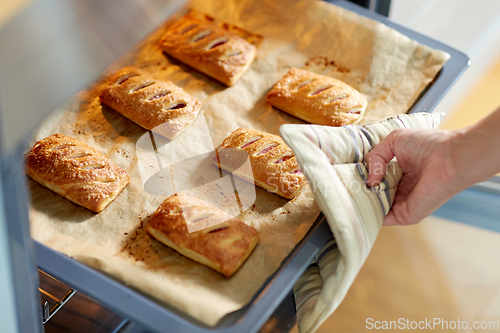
point(332, 159)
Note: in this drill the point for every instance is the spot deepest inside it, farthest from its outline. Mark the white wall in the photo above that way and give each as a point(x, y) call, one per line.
point(471, 26)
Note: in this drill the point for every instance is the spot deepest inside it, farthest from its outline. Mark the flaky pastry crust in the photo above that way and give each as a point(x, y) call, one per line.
point(221, 242)
point(274, 166)
point(156, 105)
point(208, 48)
point(318, 99)
point(75, 171)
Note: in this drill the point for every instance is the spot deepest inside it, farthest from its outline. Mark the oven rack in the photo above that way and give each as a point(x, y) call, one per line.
point(49, 311)
point(76, 310)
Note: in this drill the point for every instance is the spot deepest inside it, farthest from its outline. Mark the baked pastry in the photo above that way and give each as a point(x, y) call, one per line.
point(203, 233)
point(75, 171)
point(156, 105)
point(318, 99)
point(274, 166)
point(208, 48)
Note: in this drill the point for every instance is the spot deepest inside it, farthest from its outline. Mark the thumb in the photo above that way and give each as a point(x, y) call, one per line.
point(378, 158)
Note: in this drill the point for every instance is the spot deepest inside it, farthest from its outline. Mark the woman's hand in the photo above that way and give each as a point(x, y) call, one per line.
point(436, 165)
point(430, 171)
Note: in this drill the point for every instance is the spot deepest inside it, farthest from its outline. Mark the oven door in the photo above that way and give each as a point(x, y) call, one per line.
point(50, 50)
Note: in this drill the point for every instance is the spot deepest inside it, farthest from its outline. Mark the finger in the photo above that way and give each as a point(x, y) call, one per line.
point(413, 204)
point(405, 187)
point(376, 169)
point(390, 219)
point(425, 198)
point(399, 215)
point(378, 158)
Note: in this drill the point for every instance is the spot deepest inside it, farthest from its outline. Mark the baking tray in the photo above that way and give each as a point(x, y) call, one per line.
point(158, 316)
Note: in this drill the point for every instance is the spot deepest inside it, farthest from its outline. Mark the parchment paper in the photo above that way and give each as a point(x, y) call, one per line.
point(386, 66)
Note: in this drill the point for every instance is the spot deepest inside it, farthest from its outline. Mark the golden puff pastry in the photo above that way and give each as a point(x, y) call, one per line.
point(318, 99)
point(75, 171)
point(274, 166)
point(156, 105)
point(220, 241)
point(208, 48)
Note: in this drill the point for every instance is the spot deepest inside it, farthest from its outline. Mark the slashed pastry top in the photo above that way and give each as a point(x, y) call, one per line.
point(318, 99)
point(203, 233)
point(211, 49)
point(75, 171)
point(274, 166)
point(157, 105)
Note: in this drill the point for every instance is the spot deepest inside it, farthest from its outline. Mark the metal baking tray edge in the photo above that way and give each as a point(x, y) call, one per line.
point(159, 317)
point(138, 307)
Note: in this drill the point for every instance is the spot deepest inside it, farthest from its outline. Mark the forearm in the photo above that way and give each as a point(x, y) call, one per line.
point(476, 151)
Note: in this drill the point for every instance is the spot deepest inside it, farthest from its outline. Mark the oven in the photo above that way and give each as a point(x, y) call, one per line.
point(44, 290)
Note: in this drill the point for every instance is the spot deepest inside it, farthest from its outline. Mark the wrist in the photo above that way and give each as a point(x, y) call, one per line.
point(459, 164)
point(474, 155)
